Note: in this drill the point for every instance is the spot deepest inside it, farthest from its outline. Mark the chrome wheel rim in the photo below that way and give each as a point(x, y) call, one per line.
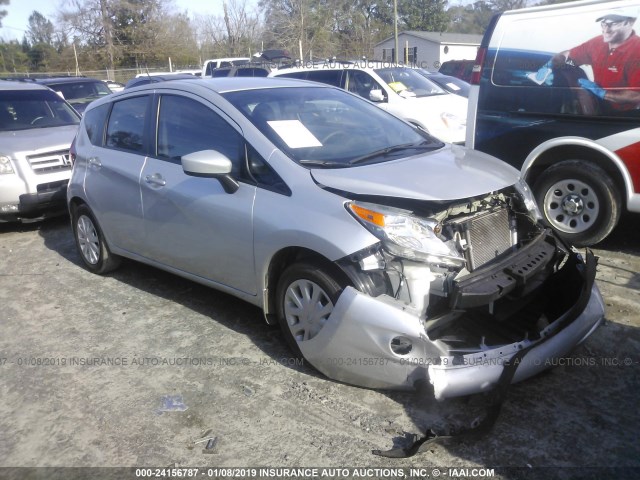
point(306, 309)
point(571, 206)
point(88, 240)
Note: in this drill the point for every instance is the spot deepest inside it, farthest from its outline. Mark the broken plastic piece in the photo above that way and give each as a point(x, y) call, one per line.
point(172, 403)
point(479, 427)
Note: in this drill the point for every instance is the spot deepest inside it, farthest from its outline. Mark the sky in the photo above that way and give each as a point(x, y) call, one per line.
point(14, 25)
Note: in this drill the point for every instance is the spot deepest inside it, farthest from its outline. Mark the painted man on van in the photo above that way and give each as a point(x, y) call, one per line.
point(614, 57)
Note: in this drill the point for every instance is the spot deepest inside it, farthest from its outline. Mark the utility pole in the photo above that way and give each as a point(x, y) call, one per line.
point(395, 29)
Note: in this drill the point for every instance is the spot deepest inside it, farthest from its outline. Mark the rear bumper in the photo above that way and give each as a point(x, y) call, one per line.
point(356, 345)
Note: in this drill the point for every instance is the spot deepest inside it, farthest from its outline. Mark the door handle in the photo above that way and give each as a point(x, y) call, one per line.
point(94, 161)
point(155, 179)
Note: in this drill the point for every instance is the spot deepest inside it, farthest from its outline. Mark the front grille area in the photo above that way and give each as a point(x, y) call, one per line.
point(487, 235)
point(50, 162)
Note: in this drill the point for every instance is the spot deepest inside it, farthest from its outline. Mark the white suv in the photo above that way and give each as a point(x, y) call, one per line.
point(400, 90)
point(37, 127)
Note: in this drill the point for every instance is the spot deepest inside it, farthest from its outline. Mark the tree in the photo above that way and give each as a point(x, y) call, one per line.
point(129, 33)
point(89, 23)
point(304, 26)
point(358, 26)
point(425, 15)
point(40, 29)
point(503, 5)
point(471, 18)
point(40, 56)
point(3, 13)
point(13, 58)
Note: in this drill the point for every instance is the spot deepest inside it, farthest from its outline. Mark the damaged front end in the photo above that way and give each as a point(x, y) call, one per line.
point(454, 291)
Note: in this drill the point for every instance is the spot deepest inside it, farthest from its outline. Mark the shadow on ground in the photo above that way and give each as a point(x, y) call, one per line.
point(582, 413)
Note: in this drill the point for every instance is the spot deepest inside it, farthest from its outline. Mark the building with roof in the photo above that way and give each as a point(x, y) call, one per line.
point(428, 49)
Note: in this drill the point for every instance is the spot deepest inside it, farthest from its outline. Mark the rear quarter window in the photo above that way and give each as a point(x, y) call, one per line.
point(94, 123)
point(125, 130)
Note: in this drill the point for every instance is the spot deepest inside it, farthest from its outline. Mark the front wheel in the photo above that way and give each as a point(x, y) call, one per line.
point(90, 242)
point(306, 296)
point(579, 200)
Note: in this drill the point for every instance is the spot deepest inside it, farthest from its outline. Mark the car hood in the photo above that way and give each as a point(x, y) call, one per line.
point(448, 103)
point(450, 173)
point(37, 139)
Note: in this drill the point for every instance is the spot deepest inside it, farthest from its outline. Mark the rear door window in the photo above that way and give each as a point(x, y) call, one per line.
point(330, 77)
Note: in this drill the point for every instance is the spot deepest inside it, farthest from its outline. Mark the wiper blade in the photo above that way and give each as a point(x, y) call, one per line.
point(383, 152)
point(323, 163)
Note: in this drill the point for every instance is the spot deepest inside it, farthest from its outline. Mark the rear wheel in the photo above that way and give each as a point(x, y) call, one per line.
point(306, 296)
point(579, 200)
point(90, 242)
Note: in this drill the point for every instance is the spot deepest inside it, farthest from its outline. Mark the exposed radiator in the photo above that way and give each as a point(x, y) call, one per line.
point(487, 235)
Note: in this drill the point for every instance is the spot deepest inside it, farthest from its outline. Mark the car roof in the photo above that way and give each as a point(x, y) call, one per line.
point(218, 85)
point(11, 85)
point(232, 84)
point(58, 80)
point(226, 59)
point(168, 76)
point(152, 79)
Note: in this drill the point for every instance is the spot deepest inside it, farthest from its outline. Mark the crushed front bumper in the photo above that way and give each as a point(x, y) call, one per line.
point(358, 344)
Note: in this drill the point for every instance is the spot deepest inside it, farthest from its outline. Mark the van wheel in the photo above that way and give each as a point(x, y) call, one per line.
point(90, 242)
point(305, 297)
point(579, 200)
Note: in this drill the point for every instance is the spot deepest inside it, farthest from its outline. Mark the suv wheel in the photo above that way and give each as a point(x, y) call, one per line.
point(90, 242)
point(579, 200)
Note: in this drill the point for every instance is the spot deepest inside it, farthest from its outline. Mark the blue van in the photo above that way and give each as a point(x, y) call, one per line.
point(555, 92)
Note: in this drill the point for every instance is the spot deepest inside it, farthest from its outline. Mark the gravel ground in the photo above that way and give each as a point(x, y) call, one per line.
point(141, 368)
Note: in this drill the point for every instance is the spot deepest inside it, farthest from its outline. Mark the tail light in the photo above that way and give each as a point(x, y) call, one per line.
point(476, 73)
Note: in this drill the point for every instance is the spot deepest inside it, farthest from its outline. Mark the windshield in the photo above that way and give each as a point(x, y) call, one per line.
point(449, 83)
point(407, 82)
point(81, 90)
point(328, 127)
point(27, 109)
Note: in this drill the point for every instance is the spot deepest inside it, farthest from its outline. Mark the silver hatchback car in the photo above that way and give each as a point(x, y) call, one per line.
point(388, 258)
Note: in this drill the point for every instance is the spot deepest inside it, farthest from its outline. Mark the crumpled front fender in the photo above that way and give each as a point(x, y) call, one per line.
point(354, 346)
point(359, 344)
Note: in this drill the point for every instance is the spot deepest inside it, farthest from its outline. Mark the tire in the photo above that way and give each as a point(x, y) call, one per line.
point(579, 200)
point(305, 297)
point(92, 247)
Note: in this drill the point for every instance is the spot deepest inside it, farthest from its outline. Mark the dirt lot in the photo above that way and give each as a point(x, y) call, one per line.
point(134, 368)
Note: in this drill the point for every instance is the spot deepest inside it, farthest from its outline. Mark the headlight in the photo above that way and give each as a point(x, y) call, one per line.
point(5, 165)
point(529, 200)
point(405, 235)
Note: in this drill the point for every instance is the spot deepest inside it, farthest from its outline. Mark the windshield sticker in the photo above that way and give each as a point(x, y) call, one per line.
point(294, 133)
point(453, 86)
point(397, 86)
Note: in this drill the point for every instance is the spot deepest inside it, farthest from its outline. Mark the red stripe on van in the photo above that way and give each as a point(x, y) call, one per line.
point(630, 155)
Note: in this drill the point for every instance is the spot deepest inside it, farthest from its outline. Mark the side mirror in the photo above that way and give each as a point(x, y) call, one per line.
point(376, 95)
point(210, 164)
